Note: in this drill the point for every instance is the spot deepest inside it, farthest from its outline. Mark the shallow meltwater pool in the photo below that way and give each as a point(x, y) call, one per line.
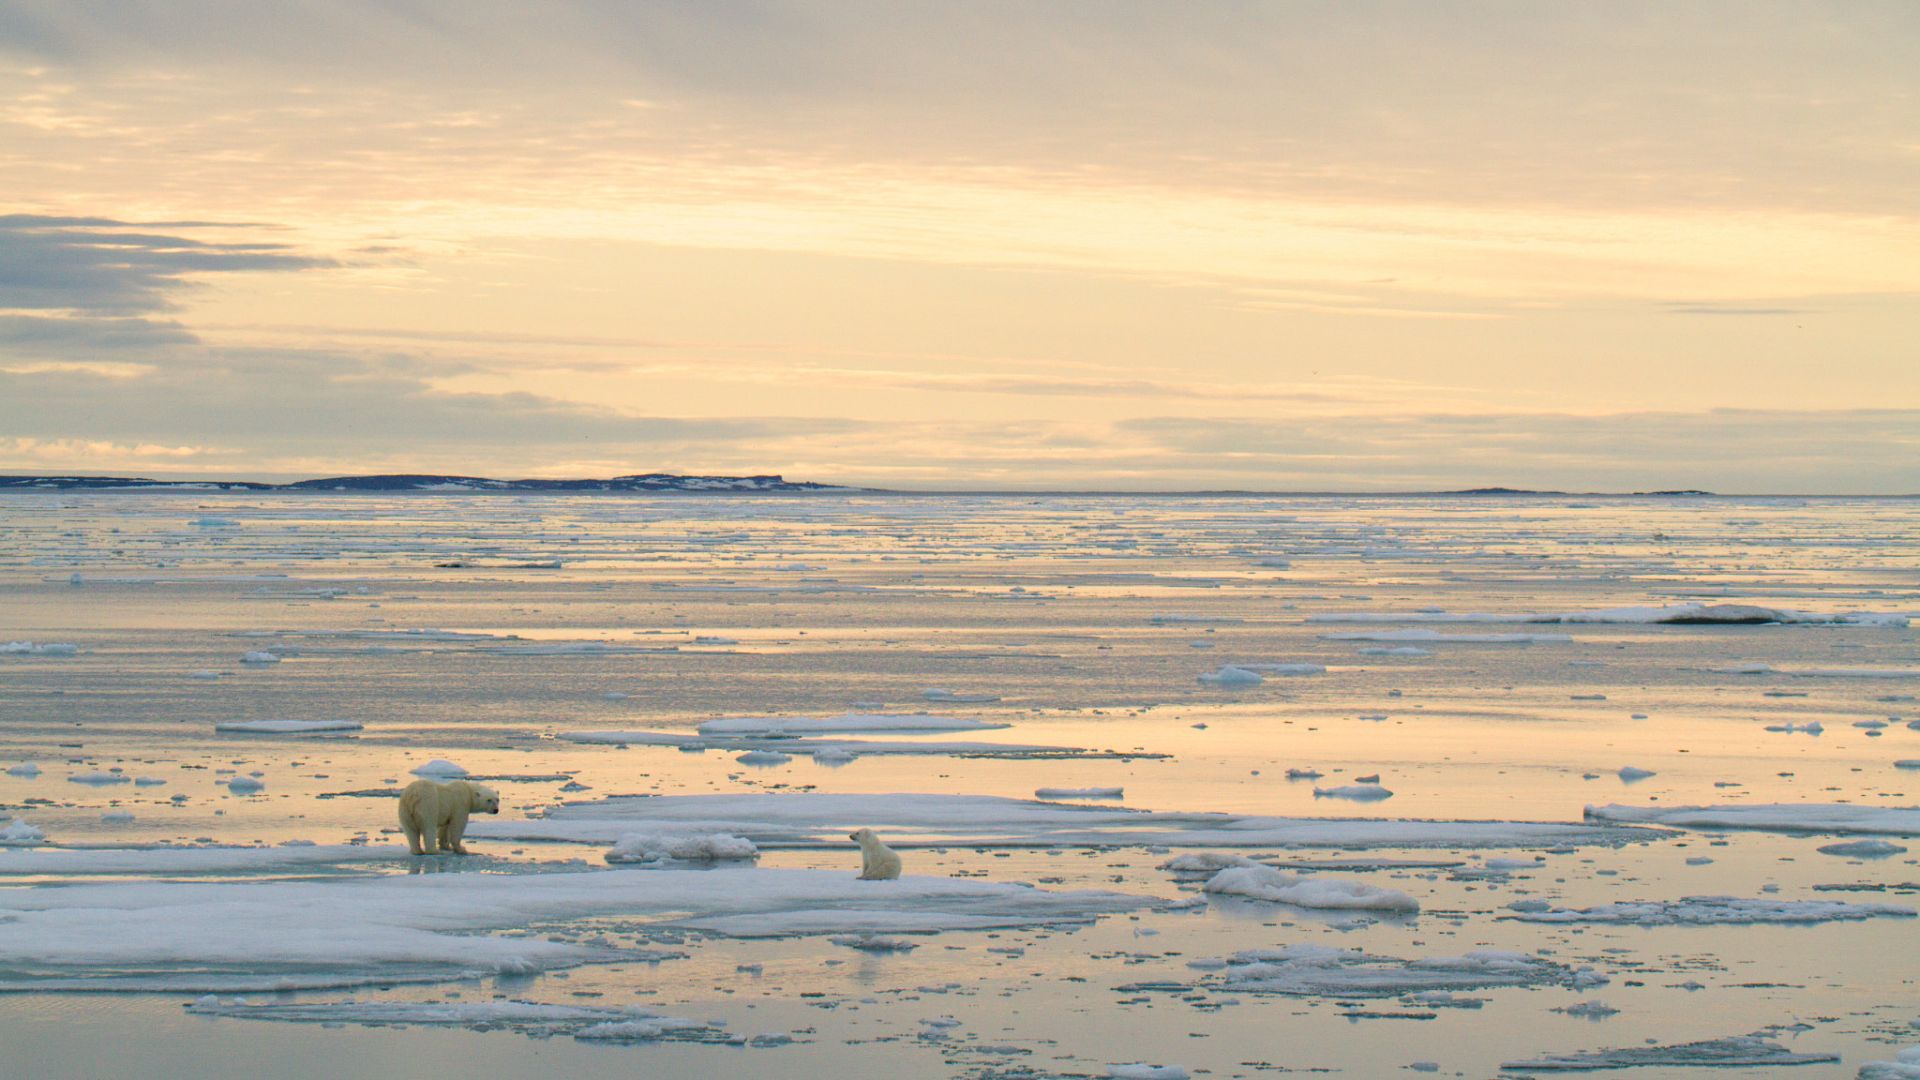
point(1182, 786)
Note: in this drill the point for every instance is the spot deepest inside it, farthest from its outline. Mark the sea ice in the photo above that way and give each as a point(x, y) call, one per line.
point(1904, 1066)
point(20, 833)
point(1838, 818)
point(1231, 675)
point(1356, 792)
point(440, 768)
point(816, 819)
point(1437, 638)
point(1266, 883)
point(1715, 911)
point(1751, 1051)
point(313, 934)
point(683, 846)
point(781, 726)
point(288, 727)
point(1862, 849)
point(1318, 971)
point(259, 657)
point(1079, 793)
point(523, 1016)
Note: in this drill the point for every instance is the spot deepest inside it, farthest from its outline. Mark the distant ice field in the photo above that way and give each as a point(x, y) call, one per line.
point(1495, 711)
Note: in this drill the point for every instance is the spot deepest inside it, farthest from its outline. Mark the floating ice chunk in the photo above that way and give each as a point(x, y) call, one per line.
point(1356, 792)
point(1304, 774)
point(833, 757)
point(1904, 1066)
point(1743, 669)
point(438, 768)
point(1283, 669)
point(213, 523)
point(1400, 650)
point(1740, 1050)
point(20, 833)
point(259, 657)
point(1904, 763)
point(1079, 793)
point(1231, 675)
point(100, 779)
point(1175, 619)
point(652, 1029)
point(1318, 971)
point(1266, 883)
point(1143, 1071)
point(28, 648)
point(715, 639)
point(1811, 727)
point(245, 785)
point(1857, 673)
point(523, 1016)
point(1589, 1010)
point(287, 727)
point(845, 723)
point(950, 695)
point(874, 943)
point(1862, 849)
point(117, 817)
point(1630, 773)
point(1838, 818)
point(685, 847)
point(1437, 638)
point(28, 770)
point(1716, 911)
point(1205, 862)
point(763, 758)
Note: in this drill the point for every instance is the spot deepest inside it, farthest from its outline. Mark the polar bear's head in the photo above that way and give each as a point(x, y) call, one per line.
point(483, 799)
point(863, 837)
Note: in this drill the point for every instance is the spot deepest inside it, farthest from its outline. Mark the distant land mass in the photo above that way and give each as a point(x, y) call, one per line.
point(422, 482)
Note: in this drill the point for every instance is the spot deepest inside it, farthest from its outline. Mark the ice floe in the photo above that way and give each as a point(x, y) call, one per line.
point(288, 727)
point(19, 832)
point(313, 934)
point(28, 648)
point(438, 768)
point(1904, 1066)
point(1716, 911)
point(1862, 849)
point(163, 861)
point(1436, 637)
point(1266, 883)
point(1672, 614)
point(527, 1017)
point(1231, 675)
point(1838, 818)
point(1750, 1051)
point(682, 846)
point(1356, 792)
point(815, 819)
point(1318, 971)
point(782, 726)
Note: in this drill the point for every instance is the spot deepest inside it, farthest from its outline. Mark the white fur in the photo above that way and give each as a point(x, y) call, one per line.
point(878, 862)
point(434, 816)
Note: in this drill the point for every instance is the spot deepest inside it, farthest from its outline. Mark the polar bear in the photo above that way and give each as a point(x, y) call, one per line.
point(434, 815)
point(878, 862)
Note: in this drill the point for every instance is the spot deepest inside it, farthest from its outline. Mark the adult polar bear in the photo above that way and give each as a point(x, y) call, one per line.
point(434, 815)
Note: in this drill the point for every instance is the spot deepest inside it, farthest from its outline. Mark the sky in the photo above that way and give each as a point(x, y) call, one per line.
point(1086, 244)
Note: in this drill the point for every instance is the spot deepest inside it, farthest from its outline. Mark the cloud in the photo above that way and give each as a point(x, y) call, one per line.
point(100, 266)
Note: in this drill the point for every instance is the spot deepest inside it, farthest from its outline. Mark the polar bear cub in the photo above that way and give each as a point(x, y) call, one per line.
point(878, 862)
point(434, 815)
